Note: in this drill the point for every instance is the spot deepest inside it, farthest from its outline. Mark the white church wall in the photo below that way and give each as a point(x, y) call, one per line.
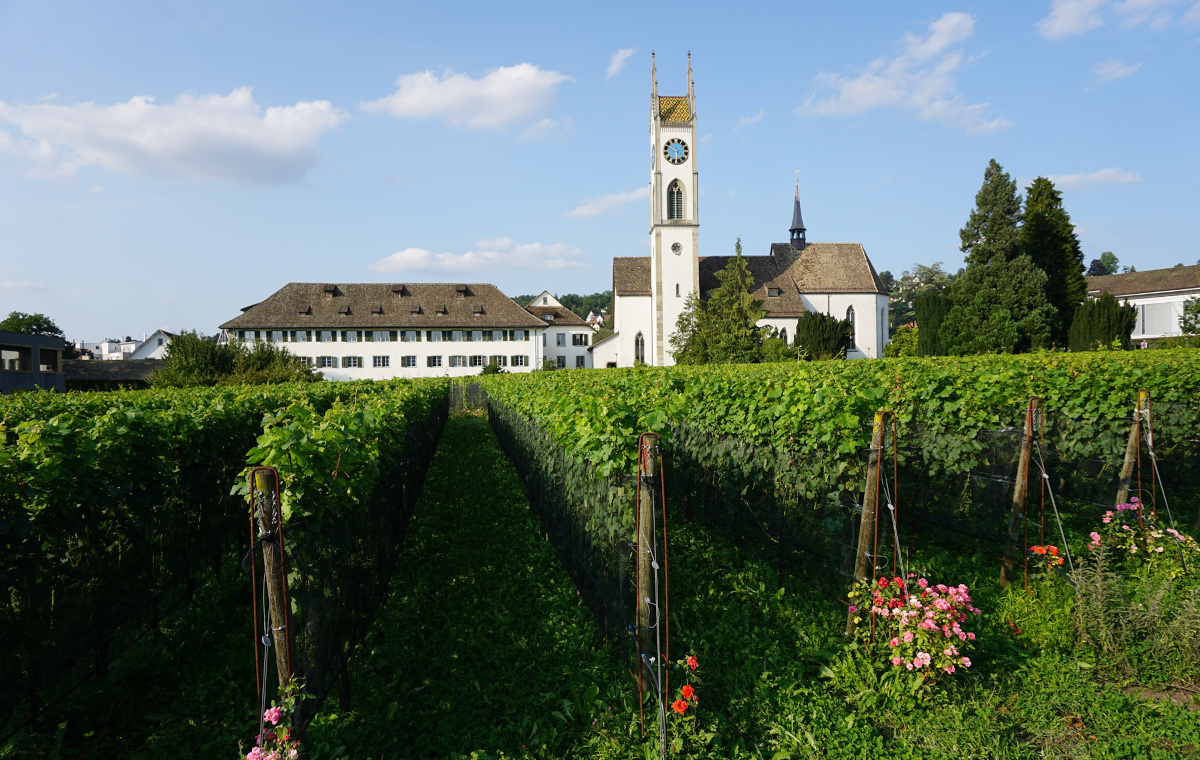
point(869, 334)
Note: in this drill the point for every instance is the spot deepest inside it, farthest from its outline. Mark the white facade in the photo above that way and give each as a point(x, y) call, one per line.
point(382, 354)
point(153, 347)
point(1157, 294)
point(109, 350)
point(567, 339)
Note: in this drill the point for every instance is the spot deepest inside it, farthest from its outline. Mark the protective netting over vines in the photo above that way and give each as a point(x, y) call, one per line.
point(116, 507)
point(775, 455)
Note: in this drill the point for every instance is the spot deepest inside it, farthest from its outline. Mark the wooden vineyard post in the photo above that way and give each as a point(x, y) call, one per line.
point(1133, 448)
point(653, 629)
point(1020, 496)
point(864, 559)
point(265, 494)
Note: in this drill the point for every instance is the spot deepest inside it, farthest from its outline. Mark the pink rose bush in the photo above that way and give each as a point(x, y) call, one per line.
point(1132, 536)
point(920, 622)
point(278, 741)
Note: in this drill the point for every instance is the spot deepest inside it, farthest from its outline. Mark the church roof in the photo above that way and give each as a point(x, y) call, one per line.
point(631, 276)
point(384, 305)
point(673, 109)
point(819, 268)
point(797, 219)
point(1150, 281)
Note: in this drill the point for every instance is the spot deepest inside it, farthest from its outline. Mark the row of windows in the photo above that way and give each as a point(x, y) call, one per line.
point(354, 362)
point(382, 336)
point(577, 339)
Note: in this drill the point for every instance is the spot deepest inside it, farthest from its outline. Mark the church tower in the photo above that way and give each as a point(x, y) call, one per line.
point(674, 211)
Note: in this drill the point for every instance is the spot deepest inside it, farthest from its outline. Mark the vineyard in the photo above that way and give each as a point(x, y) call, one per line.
point(577, 589)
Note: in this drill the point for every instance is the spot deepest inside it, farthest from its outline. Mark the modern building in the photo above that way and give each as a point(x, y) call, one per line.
point(568, 338)
point(92, 375)
point(31, 362)
point(794, 278)
point(376, 330)
point(1158, 295)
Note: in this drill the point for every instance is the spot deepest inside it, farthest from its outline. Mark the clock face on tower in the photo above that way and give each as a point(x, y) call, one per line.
point(676, 151)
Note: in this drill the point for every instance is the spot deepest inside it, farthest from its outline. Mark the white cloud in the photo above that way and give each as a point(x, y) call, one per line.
point(1156, 14)
point(1192, 16)
point(20, 286)
point(548, 127)
point(194, 138)
point(746, 121)
point(606, 204)
point(1112, 70)
point(1101, 177)
point(502, 97)
point(502, 254)
point(921, 79)
point(1071, 17)
point(616, 64)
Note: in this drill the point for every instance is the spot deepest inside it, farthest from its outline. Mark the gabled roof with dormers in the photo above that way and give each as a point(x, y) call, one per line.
point(384, 305)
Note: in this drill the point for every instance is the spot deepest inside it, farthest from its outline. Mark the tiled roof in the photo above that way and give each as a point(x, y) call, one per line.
point(673, 109)
point(631, 276)
point(819, 268)
point(1150, 281)
point(562, 315)
point(373, 304)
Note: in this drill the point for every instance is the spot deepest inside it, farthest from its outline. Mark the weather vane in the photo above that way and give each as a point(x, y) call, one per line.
point(797, 179)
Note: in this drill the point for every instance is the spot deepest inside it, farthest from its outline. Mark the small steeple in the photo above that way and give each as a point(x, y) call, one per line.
point(797, 229)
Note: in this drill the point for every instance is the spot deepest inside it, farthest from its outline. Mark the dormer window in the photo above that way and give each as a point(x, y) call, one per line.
point(442, 309)
point(329, 290)
point(306, 311)
point(479, 310)
point(399, 291)
point(416, 309)
point(462, 290)
point(344, 311)
point(774, 292)
point(377, 310)
point(549, 317)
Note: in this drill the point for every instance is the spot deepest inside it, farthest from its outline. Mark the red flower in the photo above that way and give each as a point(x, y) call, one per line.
point(693, 663)
point(883, 583)
point(679, 706)
point(1053, 550)
point(688, 692)
point(1038, 549)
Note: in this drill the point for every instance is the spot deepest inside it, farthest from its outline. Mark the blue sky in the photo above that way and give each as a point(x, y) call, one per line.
point(165, 164)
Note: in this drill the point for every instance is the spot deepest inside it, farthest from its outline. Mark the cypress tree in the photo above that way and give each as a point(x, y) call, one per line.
point(931, 307)
point(1048, 238)
point(822, 336)
point(991, 231)
point(1098, 322)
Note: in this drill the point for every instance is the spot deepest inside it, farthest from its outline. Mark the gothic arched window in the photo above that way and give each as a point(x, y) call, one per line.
point(675, 200)
point(850, 319)
point(639, 349)
point(783, 335)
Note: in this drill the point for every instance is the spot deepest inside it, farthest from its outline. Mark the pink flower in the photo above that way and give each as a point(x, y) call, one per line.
point(897, 661)
point(923, 583)
point(853, 609)
point(1106, 520)
point(273, 715)
point(970, 636)
point(255, 754)
point(949, 668)
point(909, 666)
point(894, 643)
point(966, 661)
point(908, 637)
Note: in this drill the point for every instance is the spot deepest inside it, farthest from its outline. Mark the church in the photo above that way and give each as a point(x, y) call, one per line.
point(793, 278)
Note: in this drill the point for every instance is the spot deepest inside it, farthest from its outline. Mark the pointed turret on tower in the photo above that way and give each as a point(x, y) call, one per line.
point(797, 230)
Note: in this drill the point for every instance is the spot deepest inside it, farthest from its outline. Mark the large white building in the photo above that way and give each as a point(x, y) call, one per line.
point(376, 330)
point(794, 278)
point(567, 339)
point(1158, 295)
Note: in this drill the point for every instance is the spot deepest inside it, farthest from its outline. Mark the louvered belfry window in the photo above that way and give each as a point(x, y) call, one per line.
point(675, 201)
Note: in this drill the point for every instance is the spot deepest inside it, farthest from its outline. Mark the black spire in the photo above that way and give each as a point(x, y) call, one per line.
point(797, 229)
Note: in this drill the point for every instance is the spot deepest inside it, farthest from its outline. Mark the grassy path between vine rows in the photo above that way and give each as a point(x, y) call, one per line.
point(483, 638)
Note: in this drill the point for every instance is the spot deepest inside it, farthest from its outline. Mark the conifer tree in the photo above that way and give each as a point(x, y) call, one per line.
point(822, 336)
point(721, 330)
point(1098, 322)
point(1048, 238)
point(991, 231)
point(931, 307)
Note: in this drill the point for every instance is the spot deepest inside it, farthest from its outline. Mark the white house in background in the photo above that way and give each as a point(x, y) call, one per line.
point(1158, 294)
point(376, 331)
point(109, 349)
point(794, 278)
point(567, 339)
point(154, 347)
